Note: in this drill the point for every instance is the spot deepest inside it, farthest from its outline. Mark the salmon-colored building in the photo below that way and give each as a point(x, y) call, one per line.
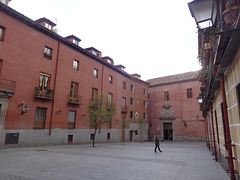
point(174, 110)
point(48, 81)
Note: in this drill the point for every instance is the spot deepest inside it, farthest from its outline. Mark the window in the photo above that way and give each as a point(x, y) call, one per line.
point(124, 107)
point(70, 139)
point(95, 73)
point(166, 96)
point(2, 30)
point(76, 65)
point(44, 82)
point(91, 136)
point(132, 88)
point(110, 98)
point(1, 62)
point(136, 115)
point(74, 92)
point(48, 53)
point(131, 101)
point(110, 79)
point(189, 93)
point(144, 104)
point(40, 118)
point(124, 85)
point(124, 102)
point(71, 119)
point(94, 93)
point(144, 92)
point(108, 136)
point(131, 115)
point(48, 26)
point(144, 116)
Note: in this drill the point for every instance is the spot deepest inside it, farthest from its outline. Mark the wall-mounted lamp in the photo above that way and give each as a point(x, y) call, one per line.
point(83, 115)
point(204, 12)
point(200, 99)
point(25, 109)
point(197, 117)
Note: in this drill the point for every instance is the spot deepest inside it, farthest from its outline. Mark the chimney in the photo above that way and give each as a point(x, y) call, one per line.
point(5, 2)
point(136, 76)
point(108, 60)
point(120, 67)
point(94, 51)
point(73, 39)
point(46, 23)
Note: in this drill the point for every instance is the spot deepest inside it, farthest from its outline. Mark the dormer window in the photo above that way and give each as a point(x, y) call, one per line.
point(46, 23)
point(48, 26)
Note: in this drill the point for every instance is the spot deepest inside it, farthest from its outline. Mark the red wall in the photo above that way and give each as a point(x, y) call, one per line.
point(185, 109)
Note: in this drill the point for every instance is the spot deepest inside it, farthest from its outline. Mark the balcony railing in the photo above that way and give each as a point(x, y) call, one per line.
point(47, 94)
point(76, 100)
point(7, 86)
point(124, 109)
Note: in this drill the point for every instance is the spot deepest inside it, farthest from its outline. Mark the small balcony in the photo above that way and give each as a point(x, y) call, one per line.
point(76, 100)
point(48, 56)
point(7, 87)
point(124, 109)
point(47, 94)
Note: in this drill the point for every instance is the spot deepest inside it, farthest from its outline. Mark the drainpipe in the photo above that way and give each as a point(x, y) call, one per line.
point(226, 122)
point(54, 88)
point(214, 142)
point(180, 104)
point(154, 130)
point(102, 79)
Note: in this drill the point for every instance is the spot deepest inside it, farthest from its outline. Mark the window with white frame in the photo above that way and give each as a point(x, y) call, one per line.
point(75, 65)
point(131, 101)
point(131, 115)
point(132, 88)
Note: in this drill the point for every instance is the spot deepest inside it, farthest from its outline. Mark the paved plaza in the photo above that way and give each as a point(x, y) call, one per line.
point(133, 161)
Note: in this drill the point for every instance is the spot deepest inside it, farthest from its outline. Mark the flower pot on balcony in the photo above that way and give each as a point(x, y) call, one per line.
point(230, 15)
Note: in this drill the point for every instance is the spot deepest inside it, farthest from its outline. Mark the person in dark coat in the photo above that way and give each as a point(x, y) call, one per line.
point(157, 144)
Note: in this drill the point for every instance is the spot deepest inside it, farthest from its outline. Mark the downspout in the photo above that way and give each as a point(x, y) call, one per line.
point(154, 130)
point(226, 122)
point(102, 79)
point(99, 130)
point(180, 104)
point(54, 88)
point(214, 142)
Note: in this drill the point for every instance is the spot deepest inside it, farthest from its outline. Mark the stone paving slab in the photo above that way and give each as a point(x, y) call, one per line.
point(132, 161)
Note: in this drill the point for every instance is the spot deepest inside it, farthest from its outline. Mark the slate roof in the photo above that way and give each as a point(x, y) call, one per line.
point(174, 78)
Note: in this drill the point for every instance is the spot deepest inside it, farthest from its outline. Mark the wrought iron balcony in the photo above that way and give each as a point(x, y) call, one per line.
point(75, 100)
point(124, 109)
point(7, 87)
point(47, 94)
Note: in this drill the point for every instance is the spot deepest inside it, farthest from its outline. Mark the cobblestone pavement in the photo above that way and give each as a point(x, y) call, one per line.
point(132, 161)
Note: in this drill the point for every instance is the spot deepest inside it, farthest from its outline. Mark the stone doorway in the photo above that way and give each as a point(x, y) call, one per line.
point(167, 131)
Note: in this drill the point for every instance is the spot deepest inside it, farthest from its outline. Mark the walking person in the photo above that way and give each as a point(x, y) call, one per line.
point(157, 144)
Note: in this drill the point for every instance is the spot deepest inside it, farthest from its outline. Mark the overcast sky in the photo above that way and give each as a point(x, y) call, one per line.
point(153, 38)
